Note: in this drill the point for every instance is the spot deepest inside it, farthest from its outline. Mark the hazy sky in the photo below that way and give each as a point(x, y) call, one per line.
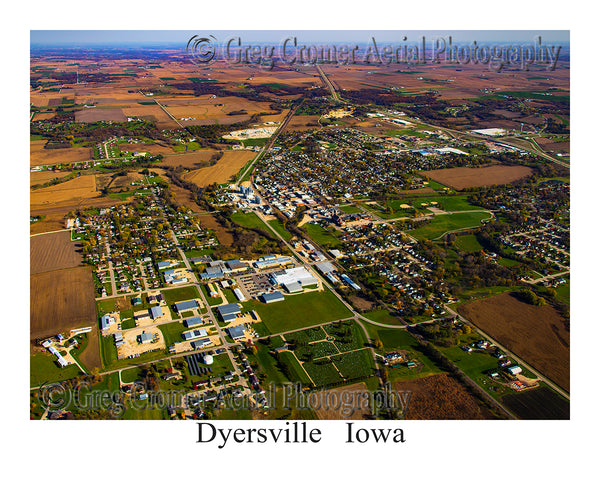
point(158, 37)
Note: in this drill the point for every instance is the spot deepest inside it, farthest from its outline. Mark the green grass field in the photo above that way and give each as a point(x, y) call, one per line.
point(321, 236)
point(468, 243)
point(563, 292)
point(180, 294)
point(43, 368)
point(382, 316)
point(250, 220)
point(294, 368)
point(446, 223)
point(172, 332)
point(298, 311)
point(322, 374)
point(350, 209)
point(278, 227)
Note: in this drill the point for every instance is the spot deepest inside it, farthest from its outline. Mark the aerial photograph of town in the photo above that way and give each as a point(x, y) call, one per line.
point(299, 225)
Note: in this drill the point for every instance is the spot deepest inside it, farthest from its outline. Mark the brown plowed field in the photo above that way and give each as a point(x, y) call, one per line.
point(151, 148)
point(53, 251)
point(90, 115)
point(223, 170)
point(39, 178)
point(223, 235)
point(72, 192)
point(441, 397)
point(190, 160)
point(352, 406)
point(464, 177)
point(538, 335)
point(44, 156)
point(61, 300)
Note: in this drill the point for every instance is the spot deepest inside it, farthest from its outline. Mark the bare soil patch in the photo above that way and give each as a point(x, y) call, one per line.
point(464, 177)
point(354, 409)
point(539, 335)
point(45, 156)
point(441, 397)
point(229, 164)
point(61, 300)
point(223, 235)
point(53, 251)
point(90, 115)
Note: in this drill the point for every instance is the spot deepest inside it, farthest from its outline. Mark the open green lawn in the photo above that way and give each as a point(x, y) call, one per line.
point(278, 227)
point(321, 236)
point(563, 292)
point(180, 294)
point(268, 365)
point(298, 311)
point(294, 369)
point(131, 374)
point(507, 262)
point(441, 224)
point(350, 209)
point(172, 332)
point(449, 203)
point(250, 220)
point(43, 368)
point(382, 316)
point(468, 243)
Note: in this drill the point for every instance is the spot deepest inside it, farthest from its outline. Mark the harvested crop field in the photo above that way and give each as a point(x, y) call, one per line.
point(90, 357)
point(441, 397)
point(91, 115)
point(44, 156)
point(191, 160)
point(151, 148)
point(355, 408)
point(460, 178)
point(223, 235)
point(39, 178)
point(61, 300)
point(300, 123)
point(50, 223)
point(72, 192)
point(53, 251)
point(539, 335)
point(538, 404)
point(229, 164)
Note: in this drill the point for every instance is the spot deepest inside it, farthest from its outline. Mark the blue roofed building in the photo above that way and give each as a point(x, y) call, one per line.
point(272, 297)
point(156, 312)
point(186, 305)
point(237, 333)
point(193, 321)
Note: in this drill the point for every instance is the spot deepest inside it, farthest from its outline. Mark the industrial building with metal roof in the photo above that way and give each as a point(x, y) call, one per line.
point(186, 305)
